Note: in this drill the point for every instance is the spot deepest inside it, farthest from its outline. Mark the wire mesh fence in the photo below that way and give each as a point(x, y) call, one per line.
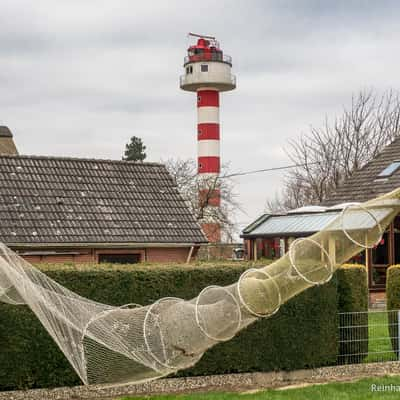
point(370, 336)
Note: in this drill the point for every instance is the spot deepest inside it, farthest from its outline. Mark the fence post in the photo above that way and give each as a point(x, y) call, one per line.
point(398, 335)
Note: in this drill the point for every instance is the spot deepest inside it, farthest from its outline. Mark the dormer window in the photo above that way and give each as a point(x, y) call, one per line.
point(390, 170)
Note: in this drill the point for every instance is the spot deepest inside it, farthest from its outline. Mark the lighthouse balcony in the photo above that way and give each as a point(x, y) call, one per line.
point(218, 78)
point(219, 57)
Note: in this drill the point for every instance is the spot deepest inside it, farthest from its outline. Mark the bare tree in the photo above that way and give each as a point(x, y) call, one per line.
point(190, 184)
point(328, 155)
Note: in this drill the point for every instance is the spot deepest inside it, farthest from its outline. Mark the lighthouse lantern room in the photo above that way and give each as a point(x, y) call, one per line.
point(208, 72)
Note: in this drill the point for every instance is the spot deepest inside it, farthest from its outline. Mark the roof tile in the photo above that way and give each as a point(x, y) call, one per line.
point(363, 185)
point(69, 200)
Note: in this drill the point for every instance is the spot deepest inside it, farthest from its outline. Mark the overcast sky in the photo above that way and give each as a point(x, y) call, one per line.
point(80, 77)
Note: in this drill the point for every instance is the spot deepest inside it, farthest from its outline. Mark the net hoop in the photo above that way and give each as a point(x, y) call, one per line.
point(349, 236)
point(242, 301)
point(198, 319)
point(176, 299)
point(95, 317)
point(292, 263)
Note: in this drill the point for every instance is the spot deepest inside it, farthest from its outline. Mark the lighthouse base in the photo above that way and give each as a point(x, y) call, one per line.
point(212, 231)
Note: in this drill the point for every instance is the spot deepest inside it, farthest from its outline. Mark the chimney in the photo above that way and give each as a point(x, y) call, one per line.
point(7, 145)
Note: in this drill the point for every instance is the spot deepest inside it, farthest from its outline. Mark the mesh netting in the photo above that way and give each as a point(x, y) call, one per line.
point(135, 343)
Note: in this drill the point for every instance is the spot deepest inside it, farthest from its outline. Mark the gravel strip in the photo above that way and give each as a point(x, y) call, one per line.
point(230, 382)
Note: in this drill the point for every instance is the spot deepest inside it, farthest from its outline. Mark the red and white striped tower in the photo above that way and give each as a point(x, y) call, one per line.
point(208, 72)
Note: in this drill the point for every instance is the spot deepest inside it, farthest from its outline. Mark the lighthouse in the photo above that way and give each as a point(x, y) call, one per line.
point(208, 72)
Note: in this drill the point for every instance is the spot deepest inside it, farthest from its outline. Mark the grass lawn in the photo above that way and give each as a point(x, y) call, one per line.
point(379, 346)
point(359, 390)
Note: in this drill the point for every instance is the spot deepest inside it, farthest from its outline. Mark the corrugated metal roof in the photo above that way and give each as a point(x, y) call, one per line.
point(294, 223)
point(356, 219)
point(309, 223)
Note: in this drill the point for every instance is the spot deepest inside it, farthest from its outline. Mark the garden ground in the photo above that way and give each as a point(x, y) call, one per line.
point(363, 389)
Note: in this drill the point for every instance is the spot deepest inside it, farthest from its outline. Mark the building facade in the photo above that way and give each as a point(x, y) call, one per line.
point(56, 209)
point(270, 235)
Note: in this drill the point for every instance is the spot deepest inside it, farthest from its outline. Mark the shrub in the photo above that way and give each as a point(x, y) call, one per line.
point(303, 334)
point(393, 303)
point(353, 297)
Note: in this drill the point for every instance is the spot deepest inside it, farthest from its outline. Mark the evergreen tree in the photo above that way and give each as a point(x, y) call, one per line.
point(134, 150)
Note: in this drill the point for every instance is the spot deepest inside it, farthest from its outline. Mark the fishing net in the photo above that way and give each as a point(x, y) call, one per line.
point(137, 343)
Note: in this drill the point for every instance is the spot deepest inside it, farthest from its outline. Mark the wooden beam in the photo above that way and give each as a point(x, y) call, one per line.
point(189, 255)
point(391, 243)
point(332, 249)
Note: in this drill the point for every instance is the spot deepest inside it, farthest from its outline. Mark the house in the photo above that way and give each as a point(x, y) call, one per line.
point(58, 209)
point(270, 235)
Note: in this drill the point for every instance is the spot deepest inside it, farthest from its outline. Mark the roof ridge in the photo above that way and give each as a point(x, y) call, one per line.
point(66, 158)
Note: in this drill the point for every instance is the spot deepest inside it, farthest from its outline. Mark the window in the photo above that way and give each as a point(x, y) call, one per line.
point(187, 70)
point(390, 170)
point(380, 254)
point(191, 69)
point(119, 258)
point(199, 132)
point(204, 68)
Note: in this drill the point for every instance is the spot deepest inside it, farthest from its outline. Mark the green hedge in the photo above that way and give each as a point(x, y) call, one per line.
point(353, 297)
point(303, 334)
point(393, 303)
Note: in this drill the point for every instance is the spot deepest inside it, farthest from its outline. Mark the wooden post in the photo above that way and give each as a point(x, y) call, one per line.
point(190, 254)
point(391, 244)
point(368, 264)
point(332, 250)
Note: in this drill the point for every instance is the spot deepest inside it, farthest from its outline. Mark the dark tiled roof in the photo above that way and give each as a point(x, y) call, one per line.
point(363, 185)
point(54, 200)
point(5, 132)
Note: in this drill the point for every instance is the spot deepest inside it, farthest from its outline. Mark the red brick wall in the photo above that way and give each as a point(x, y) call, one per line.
point(177, 254)
point(84, 256)
point(168, 254)
point(32, 259)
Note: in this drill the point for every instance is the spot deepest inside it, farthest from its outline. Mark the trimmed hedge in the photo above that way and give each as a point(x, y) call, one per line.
point(352, 288)
point(303, 334)
point(393, 303)
point(393, 288)
point(353, 297)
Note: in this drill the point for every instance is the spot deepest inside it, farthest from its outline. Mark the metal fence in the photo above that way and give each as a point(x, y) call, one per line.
point(371, 336)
